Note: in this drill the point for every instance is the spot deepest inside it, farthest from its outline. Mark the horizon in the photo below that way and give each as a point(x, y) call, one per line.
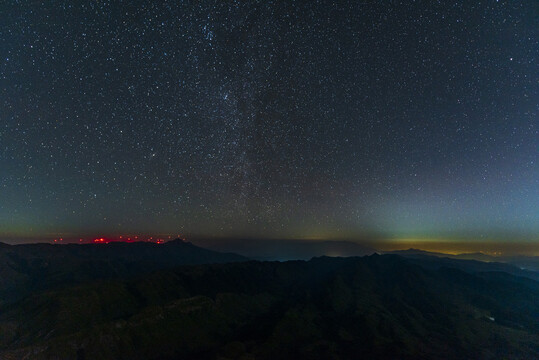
point(448, 247)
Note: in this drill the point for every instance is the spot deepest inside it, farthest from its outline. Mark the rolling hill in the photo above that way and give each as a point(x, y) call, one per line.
point(374, 307)
point(25, 269)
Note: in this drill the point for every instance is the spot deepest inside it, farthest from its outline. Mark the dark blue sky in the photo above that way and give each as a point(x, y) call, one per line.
point(309, 119)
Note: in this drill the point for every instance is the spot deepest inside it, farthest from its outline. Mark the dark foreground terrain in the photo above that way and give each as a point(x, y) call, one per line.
point(374, 307)
point(31, 268)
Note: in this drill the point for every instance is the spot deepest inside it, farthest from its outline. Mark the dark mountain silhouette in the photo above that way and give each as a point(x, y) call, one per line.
point(525, 262)
point(375, 307)
point(472, 266)
point(33, 267)
point(281, 250)
point(413, 251)
point(479, 256)
point(527, 266)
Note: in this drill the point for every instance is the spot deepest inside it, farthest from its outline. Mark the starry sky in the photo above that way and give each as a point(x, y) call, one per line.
point(270, 119)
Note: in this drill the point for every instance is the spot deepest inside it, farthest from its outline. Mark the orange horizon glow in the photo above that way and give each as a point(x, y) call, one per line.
point(456, 247)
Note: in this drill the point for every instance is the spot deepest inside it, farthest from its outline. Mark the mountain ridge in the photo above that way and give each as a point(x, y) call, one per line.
point(379, 306)
point(30, 267)
point(286, 249)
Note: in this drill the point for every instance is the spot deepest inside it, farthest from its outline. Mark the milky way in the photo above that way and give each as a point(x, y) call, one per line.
point(270, 119)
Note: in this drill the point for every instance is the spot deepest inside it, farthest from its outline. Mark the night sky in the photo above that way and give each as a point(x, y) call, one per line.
point(270, 119)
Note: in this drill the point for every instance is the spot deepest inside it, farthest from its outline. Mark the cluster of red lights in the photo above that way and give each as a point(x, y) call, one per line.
point(128, 239)
point(121, 238)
